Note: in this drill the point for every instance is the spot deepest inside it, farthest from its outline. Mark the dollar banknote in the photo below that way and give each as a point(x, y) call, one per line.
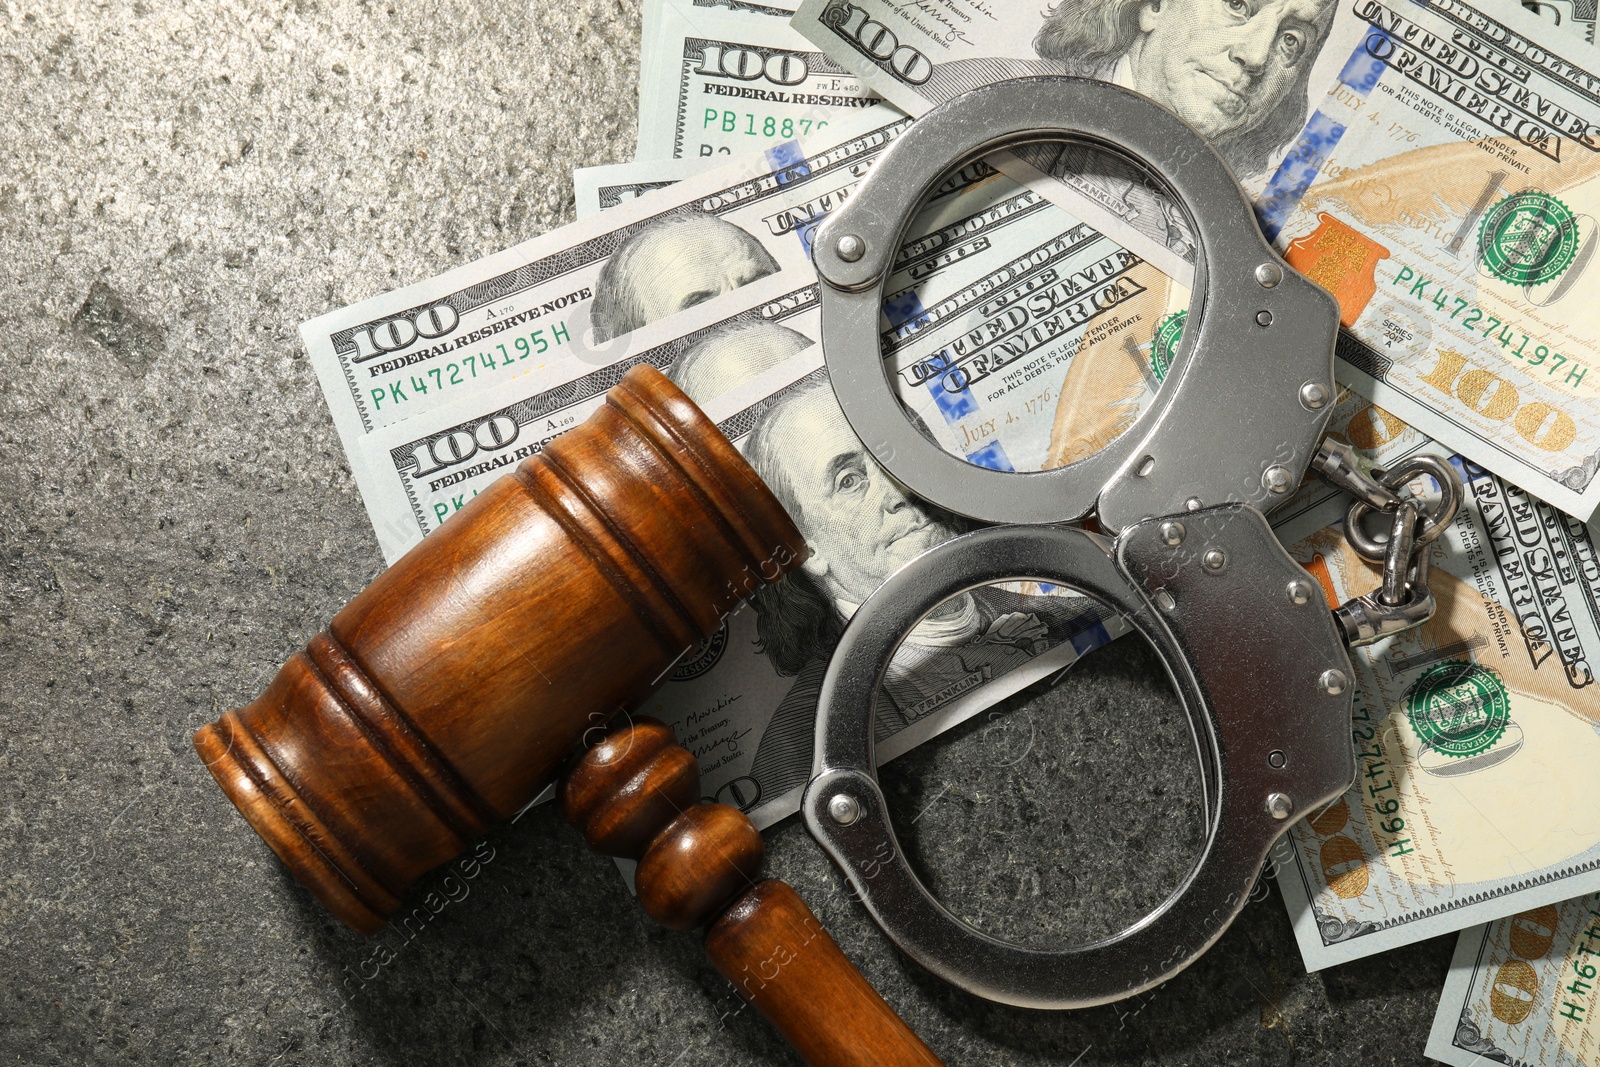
point(580, 289)
point(745, 702)
point(1476, 734)
point(1522, 991)
point(1574, 17)
point(716, 82)
point(1244, 76)
point(1446, 192)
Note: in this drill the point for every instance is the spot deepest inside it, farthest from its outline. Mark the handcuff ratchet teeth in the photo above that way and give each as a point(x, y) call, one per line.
point(1257, 659)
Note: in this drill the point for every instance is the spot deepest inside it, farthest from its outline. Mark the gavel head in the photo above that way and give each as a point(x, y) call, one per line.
point(450, 692)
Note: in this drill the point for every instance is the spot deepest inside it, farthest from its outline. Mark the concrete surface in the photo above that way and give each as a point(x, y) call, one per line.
point(180, 186)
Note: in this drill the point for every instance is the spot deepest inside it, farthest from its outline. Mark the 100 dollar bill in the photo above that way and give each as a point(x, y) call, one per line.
point(1446, 192)
point(1244, 77)
point(1476, 734)
point(718, 82)
point(1240, 74)
point(578, 290)
point(1523, 990)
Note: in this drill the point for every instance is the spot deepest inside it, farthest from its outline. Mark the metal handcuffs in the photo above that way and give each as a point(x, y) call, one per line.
point(1258, 661)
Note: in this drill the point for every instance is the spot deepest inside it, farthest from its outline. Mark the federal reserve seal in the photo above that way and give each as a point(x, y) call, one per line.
point(1458, 708)
point(703, 658)
point(1165, 346)
point(1528, 238)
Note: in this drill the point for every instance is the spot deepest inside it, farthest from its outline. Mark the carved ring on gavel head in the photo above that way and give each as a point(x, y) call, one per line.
point(450, 692)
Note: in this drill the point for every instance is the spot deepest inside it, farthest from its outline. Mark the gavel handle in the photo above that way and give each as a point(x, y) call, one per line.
point(775, 952)
point(637, 794)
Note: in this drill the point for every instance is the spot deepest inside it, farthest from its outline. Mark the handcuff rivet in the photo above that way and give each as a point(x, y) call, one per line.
point(1215, 559)
point(1193, 504)
point(1333, 681)
point(1279, 806)
point(1172, 533)
point(843, 809)
point(850, 248)
point(1277, 479)
point(1313, 395)
point(1299, 591)
point(1269, 275)
point(1263, 318)
point(1276, 758)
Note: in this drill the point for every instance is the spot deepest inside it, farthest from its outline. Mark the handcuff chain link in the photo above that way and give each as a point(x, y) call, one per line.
point(1403, 600)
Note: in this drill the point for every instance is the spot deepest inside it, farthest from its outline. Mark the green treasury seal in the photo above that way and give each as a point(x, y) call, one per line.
point(1528, 238)
point(1165, 346)
point(1458, 708)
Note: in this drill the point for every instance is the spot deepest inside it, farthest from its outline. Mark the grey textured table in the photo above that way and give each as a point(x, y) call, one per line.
point(182, 185)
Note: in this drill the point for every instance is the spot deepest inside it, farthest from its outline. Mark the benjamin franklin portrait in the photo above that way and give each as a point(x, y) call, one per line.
point(670, 265)
point(861, 526)
point(725, 357)
point(1238, 71)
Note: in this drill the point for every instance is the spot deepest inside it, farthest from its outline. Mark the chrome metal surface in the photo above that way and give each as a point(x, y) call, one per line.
point(1367, 619)
point(1403, 601)
point(1335, 462)
point(1279, 806)
point(1397, 560)
point(1313, 395)
point(1229, 377)
point(1249, 669)
point(1434, 519)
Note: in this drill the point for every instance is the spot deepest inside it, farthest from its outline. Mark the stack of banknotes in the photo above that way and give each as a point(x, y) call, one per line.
point(1434, 163)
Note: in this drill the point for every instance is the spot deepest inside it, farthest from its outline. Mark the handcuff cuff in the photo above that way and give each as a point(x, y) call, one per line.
point(1257, 659)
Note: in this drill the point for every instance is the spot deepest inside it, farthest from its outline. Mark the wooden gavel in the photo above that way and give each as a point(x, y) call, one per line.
point(456, 687)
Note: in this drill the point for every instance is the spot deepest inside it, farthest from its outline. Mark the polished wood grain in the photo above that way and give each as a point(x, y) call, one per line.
point(780, 959)
point(452, 690)
point(699, 865)
point(628, 786)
